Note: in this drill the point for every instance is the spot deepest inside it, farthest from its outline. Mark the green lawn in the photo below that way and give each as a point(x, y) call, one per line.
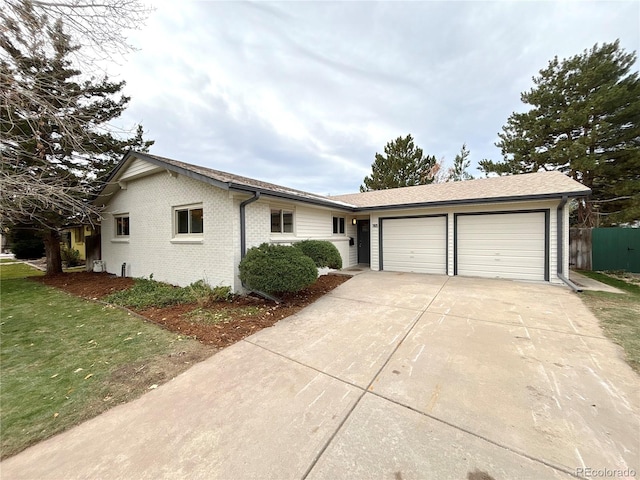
point(8, 260)
point(65, 359)
point(619, 314)
point(17, 270)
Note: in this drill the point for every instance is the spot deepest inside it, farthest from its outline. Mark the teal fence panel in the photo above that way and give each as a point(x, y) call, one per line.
point(616, 249)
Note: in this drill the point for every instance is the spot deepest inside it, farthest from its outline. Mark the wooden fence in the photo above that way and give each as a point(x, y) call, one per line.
point(580, 248)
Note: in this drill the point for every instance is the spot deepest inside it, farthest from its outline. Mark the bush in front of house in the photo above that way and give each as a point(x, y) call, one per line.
point(322, 252)
point(146, 293)
point(204, 294)
point(70, 256)
point(277, 269)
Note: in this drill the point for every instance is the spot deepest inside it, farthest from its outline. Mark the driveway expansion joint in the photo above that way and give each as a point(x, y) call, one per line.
point(481, 437)
point(303, 364)
point(375, 376)
point(368, 302)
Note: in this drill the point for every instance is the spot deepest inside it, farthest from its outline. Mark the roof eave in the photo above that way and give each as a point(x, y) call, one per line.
point(290, 196)
point(168, 166)
point(181, 171)
point(475, 201)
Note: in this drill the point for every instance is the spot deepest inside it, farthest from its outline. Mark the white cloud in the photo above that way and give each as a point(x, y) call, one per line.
point(304, 94)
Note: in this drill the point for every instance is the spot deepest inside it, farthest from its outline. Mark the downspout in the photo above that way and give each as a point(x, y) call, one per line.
point(560, 236)
point(243, 242)
point(243, 230)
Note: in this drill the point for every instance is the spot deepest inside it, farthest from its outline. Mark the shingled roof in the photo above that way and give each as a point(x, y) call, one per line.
point(220, 179)
point(529, 186)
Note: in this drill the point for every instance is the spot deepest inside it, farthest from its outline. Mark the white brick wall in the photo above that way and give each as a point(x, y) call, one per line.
point(150, 249)
point(309, 223)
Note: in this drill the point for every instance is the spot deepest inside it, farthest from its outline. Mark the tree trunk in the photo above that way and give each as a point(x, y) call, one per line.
point(586, 218)
point(52, 250)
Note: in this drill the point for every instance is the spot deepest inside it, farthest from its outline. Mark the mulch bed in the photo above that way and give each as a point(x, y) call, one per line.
point(245, 315)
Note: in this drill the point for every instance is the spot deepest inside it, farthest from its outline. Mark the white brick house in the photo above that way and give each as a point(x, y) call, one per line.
point(184, 223)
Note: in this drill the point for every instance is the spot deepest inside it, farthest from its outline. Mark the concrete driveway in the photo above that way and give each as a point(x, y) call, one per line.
point(396, 376)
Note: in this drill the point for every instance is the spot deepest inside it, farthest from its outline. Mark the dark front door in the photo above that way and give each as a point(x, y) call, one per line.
point(364, 242)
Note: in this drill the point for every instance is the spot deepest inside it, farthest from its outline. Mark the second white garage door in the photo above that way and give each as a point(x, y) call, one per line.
point(415, 244)
point(508, 245)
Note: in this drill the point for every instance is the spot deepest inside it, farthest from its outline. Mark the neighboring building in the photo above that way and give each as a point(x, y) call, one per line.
point(184, 223)
point(74, 237)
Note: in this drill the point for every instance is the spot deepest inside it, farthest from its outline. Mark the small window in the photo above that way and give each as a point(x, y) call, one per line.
point(122, 226)
point(78, 233)
point(189, 221)
point(281, 221)
point(338, 225)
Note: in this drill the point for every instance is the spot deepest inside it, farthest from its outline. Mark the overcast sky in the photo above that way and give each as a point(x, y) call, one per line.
point(304, 94)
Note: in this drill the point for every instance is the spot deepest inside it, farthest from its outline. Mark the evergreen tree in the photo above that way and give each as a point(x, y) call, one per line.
point(55, 138)
point(402, 165)
point(461, 163)
point(584, 121)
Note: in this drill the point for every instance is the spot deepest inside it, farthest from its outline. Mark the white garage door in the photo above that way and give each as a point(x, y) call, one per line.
point(502, 245)
point(415, 245)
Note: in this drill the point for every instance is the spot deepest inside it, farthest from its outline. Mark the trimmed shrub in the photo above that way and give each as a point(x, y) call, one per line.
point(277, 269)
point(322, 252)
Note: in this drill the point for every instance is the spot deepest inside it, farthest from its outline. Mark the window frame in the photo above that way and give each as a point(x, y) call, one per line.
point(282, 212)
point(117, 222)
point(78, 234)
point(176, 223)
point(339, 225)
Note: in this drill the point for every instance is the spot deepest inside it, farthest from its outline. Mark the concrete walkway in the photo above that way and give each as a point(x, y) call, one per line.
point(395, 376)
point(586, 283)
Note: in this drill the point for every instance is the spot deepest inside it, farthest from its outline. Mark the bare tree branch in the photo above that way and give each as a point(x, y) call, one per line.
point(98, 25)
point(55, 133)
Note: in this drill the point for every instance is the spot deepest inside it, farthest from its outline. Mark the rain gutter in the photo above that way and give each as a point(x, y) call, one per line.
point(560, 236)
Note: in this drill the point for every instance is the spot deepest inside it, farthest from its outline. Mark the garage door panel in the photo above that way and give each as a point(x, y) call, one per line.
point(415, 245)
point(498, 251)
point(504, 265)
point(499, 235)
point(528, 258)
point(510, 245)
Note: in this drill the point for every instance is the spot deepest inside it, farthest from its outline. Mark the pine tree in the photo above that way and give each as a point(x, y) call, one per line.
point(584, 121)
point(461, 163)
point(403, 165)
point(55, 138)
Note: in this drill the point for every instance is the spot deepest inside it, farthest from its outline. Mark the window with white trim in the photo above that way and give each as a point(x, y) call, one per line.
point(188, 220)
point(122, 225)
point(281, 221)
point(338, 225)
